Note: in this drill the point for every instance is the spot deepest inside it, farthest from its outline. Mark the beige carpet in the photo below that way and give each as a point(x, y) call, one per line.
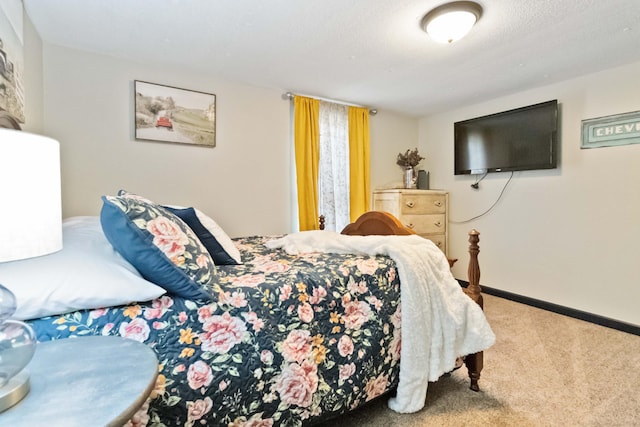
point(544, 370)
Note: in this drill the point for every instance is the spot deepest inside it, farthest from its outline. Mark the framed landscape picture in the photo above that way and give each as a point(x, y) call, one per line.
point(170, 114)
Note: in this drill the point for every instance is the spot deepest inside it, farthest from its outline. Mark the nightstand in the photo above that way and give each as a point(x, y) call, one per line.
point(88, 381)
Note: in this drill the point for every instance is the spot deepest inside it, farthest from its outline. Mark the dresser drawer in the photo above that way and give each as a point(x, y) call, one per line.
point(423, 211)
point(422, 204)
point(386, 204)
point(439, 239)
point(425, 224)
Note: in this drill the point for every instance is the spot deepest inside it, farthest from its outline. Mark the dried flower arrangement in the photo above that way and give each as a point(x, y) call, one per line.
point(409, 159)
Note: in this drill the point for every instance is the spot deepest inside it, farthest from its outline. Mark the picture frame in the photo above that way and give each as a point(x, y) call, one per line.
point(12, 67)
point(618, 129)
point(170, 114)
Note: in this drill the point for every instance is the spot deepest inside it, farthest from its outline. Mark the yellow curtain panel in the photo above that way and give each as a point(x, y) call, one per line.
point(359, 161)
point(306, 130)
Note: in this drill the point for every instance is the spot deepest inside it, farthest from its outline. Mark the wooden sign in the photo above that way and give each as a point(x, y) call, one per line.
point(620, 129)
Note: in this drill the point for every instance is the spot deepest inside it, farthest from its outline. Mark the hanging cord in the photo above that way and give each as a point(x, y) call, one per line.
point(475, 184)
point(491, 207)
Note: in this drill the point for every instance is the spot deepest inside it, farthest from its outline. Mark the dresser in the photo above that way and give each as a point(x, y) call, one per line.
point(424, 211)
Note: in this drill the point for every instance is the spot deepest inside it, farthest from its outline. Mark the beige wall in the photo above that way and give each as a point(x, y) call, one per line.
point(243, 183)
point(33, 78)
point(567, 236)
point(390, 134)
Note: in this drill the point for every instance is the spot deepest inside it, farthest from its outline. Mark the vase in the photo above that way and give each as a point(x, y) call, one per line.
point(17, 346)
point(410, 179)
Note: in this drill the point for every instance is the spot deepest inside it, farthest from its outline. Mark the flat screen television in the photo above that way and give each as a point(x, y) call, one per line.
point(520, 139)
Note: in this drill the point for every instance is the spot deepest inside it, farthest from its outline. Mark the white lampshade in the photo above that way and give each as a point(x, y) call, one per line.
point(31, 214)
point(451, 21)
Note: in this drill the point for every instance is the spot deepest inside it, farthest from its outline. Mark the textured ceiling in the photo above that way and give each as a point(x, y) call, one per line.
point(367, 52)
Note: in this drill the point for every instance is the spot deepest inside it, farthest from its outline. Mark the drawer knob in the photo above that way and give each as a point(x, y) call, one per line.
point(439, 244)
point(437, 224)
point(410, 204)
point(438, 203)
point(410, 226)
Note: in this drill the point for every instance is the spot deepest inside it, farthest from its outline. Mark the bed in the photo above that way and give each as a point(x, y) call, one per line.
point(285, 339)
point(251, 331)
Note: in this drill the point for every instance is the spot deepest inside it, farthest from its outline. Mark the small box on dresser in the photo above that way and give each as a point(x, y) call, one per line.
point(424, 211)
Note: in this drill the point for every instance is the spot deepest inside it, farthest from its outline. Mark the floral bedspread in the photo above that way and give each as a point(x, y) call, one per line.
point(288, 340)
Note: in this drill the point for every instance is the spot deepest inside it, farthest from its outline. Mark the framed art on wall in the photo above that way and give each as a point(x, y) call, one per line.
point(12, 94)
point(170, 114)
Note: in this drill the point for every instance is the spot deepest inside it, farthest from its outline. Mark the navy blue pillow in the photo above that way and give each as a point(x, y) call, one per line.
point(159, 245)
point(214, 244)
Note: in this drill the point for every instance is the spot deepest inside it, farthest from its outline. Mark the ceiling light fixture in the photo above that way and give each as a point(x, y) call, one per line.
point(450, 22)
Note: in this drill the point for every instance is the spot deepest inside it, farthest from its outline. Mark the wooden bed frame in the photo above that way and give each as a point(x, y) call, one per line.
point(384, 224)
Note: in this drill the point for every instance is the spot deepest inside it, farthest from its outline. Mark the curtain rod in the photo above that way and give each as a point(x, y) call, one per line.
point(290, 95)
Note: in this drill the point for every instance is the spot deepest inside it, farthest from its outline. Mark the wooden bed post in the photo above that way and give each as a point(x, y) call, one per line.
point(474, 362)
point(474, 290)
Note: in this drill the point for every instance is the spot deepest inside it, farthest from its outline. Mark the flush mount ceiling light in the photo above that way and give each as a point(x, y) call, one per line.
point(451, 21)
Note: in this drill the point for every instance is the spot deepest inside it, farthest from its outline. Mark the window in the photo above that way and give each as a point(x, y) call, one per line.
point(332, 162)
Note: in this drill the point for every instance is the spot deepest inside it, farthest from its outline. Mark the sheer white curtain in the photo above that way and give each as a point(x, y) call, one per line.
point(333, 171)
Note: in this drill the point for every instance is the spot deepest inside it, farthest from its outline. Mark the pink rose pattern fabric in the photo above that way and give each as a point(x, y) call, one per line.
point(286, 341)
point(171, 235)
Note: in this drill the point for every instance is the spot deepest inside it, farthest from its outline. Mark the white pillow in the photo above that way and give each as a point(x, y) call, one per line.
point(87, 273)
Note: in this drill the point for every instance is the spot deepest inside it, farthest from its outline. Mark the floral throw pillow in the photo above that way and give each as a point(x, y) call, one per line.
point(159, 245)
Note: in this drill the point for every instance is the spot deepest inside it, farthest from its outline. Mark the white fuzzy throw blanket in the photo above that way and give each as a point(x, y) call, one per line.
point(439, 322)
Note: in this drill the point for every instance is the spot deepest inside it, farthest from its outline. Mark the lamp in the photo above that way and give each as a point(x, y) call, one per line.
point(450, 22)
point(30, 226)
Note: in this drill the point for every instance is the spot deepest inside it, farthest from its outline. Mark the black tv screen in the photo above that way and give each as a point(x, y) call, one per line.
point(520, 139)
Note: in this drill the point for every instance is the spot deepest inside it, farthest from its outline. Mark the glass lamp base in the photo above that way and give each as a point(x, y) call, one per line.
point(14, 390)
